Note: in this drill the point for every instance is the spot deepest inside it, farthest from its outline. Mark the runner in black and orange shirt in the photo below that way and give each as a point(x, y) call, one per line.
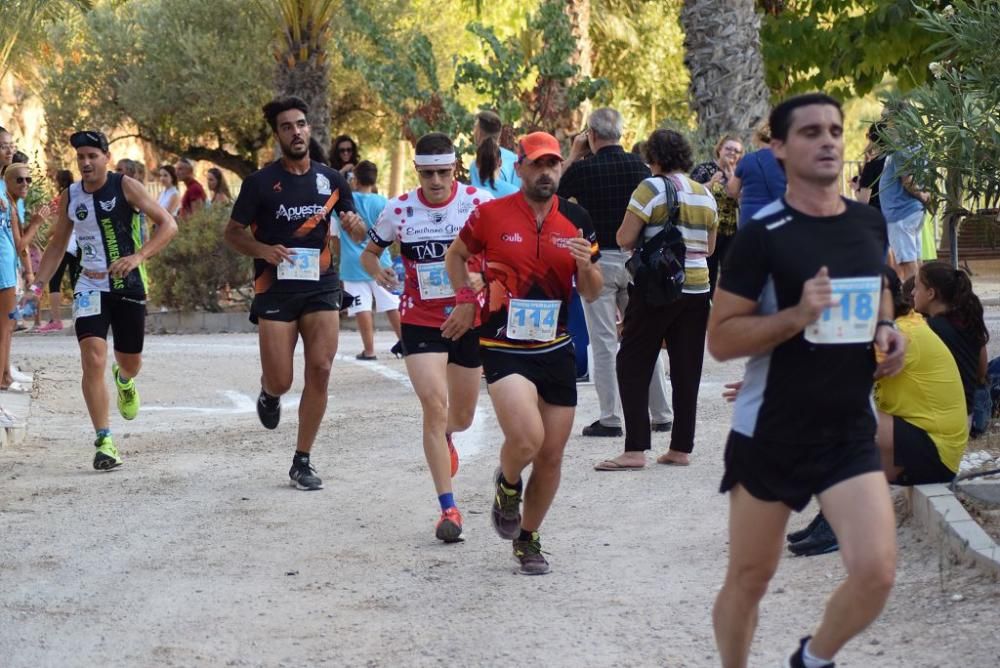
point(288, 205)
point(533, 243)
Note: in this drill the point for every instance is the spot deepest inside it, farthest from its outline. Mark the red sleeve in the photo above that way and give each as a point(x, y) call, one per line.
point(471, 233)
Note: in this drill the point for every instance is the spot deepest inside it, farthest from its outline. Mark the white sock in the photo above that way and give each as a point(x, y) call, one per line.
point(812, 661)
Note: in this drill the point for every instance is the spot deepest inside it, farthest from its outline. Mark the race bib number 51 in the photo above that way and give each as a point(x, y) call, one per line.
point(532, 319)
point(853, 318)
point(303, 267)
point(86, 304)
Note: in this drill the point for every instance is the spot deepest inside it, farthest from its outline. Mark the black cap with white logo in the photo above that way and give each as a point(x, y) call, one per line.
point(91, 138)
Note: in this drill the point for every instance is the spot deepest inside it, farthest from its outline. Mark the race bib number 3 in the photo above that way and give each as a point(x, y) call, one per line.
point(303, 267)
point(433, 281)
point(86, 304)
point(853, 318)
point(532, 319)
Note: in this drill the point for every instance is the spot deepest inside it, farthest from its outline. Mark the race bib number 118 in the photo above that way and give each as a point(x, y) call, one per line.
point(853, 318)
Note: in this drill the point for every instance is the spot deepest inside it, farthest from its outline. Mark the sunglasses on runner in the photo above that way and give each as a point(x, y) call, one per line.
point(431, 173)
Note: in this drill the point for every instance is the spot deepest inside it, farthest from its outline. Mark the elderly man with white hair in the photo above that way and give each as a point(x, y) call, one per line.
point(603, 184)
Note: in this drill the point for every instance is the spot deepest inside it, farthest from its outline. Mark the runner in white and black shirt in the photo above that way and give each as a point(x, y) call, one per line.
point(288, 207)
point(802, 295)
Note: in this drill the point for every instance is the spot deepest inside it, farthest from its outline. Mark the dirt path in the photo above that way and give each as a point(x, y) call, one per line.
point(198, 553)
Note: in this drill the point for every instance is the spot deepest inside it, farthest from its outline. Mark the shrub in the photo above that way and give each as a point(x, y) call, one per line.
point(191, 272)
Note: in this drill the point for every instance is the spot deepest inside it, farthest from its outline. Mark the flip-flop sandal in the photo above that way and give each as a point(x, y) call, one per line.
point(365, 358)
point(611, 465)
point(662, 459)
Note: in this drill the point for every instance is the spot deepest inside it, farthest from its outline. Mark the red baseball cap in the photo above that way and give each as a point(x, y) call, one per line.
point(537, 145)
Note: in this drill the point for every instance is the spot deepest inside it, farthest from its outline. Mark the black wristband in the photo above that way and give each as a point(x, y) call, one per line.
point(886, 323)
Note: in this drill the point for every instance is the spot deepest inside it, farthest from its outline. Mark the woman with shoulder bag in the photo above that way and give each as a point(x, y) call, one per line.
point(670, 220)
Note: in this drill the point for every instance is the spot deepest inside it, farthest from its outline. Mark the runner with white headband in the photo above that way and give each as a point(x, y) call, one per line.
point(445, 373)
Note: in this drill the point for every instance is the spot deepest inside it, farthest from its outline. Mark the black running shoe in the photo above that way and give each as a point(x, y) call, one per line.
point(304, 477)
point(528, 554)
point(795, 660)
point(801, 534)
point(506, 511)
point(268, 409)
point(598, 429)
point(822, 540)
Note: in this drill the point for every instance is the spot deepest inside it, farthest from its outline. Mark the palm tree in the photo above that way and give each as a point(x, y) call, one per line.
point(23, 22)
point(722, 42)
point(303, 69)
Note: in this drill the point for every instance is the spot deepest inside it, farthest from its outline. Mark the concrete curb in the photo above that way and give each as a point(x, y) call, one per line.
point(941, 515)
point(18, 406)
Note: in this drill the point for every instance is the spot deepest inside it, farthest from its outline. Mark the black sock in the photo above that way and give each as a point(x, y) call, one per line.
point(525, 535)
point(301, 458)
point(511, 485)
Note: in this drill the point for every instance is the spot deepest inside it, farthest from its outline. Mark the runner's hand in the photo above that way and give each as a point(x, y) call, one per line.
point(817, 296)
point(579, 248)
point(386, 278)
point(276, 254)
point(123, 266)
point(459, 322)
point(732, 391)
point(892, 344)
point(354, 226)
point(476, 281)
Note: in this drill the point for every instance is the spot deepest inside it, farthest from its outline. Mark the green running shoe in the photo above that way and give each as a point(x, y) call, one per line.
point(128, 396)
point(528, 555)
point(106, 457)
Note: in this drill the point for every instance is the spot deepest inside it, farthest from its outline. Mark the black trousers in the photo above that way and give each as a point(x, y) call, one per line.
point(682, 325)
point(722, 242)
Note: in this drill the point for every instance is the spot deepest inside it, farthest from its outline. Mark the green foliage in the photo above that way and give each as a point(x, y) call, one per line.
point(531, 79)
point(846, 48)
point(953, 121)
point(192, 270)
point(179, 72)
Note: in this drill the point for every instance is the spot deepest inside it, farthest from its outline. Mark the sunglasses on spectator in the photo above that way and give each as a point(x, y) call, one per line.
point(347, 149)
point(23, 179)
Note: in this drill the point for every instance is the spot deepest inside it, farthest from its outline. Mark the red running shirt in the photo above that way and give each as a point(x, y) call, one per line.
point(525, 261)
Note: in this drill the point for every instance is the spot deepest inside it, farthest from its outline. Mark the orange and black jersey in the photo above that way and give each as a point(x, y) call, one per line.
point(295, 211)
point(525, 261)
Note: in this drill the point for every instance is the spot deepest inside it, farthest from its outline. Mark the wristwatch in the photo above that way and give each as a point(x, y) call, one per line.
point(886, 323)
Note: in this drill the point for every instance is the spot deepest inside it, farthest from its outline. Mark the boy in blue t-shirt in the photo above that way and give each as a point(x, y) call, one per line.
point(357, 282)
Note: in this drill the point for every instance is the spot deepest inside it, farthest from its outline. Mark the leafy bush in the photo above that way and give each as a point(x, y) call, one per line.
point(193, 269)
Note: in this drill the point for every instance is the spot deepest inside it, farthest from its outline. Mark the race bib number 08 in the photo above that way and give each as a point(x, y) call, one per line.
point(433, 281)
point(86, 304)
point(853, 318)
point(532, 319)
point(303, 267)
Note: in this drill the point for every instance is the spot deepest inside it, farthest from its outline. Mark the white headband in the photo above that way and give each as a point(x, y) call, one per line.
point(436, 160)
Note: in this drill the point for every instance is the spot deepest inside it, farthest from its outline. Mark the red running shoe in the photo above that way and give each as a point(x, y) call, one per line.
point(449, 527)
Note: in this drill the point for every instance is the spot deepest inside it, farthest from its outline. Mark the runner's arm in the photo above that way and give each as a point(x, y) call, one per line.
point(736, 330)
point(239, 238)
point(384, 276)
point(888, 340)
point(463, 317)
point(166, 226)
point(62, 230)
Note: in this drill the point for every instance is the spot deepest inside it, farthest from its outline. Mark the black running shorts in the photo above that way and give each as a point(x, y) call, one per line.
point(915, 452)
point(793, 473)
point(464, 352)
point(290, 306)
point(553, 373)
point(124, 315)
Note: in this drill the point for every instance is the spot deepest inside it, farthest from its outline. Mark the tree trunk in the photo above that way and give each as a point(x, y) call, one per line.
point(722, 43)
point(308, 79)
point(579, 16)
point(396, 167)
